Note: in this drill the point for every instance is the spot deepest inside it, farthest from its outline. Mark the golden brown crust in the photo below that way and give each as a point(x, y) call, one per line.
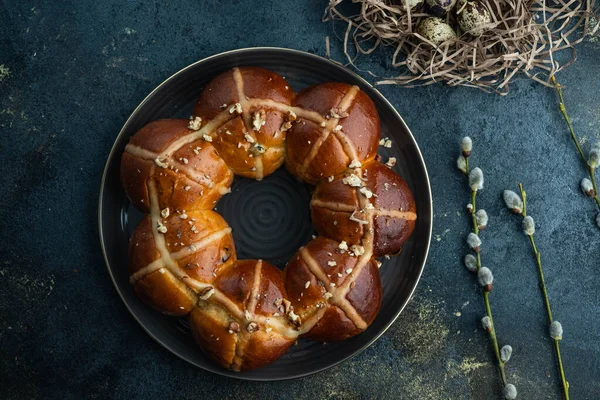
point(252, 143)
point(351, 130)
point(194, 177)
point(321, 280)
point(337, 213)
point(259, 334)
point(245, 314)
point(195, 256)
point(165, 293)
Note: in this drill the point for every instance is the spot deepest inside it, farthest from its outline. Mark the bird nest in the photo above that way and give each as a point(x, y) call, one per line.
point(523, 36)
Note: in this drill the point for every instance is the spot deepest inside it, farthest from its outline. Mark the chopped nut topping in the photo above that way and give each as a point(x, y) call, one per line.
point(287, 305)
point(227, 132)
point(331, 263)
point(161, 228)
point(206, 137)
point(183, 216)
point(332, 284)
point(337, 128)
point(195, 123)
point(237, 108)
point(343, 245)
point(354, 164)
point(320, 304)
point(337, 112)
point(386, 186)
point(206, 293)
point(327, 295)
point(269, 329)
point(162, 270)
point(382, 141)
point(339, 274)
point(258, 120)
point(369, 206)
point(248, 137)
point(252, 327)
point(247, 315)
point(186, 188)
point(253, 169)
point(378, 263)
point(197, 150)
point(358, 250)
point(387, 144)
point(258, 149)
point(285, 126)
point(165, 213)
point(349, 271)
point(292, 116)
point(354, 218)
point(185, 160)
point(294, 318)
point(330, 179)
point(352, 180)
point(234, 327)
point(323, 124)
point(368, 194)
point(307, 284)
point(391, 162)
point(160, 163)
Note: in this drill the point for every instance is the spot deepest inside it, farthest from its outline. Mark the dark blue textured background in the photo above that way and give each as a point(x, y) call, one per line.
point(70, 74)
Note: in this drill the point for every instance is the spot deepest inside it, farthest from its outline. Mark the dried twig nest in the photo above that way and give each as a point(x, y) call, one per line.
point(477, 43)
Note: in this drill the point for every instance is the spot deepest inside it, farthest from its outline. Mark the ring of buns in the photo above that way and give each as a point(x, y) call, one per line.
point(248, 122)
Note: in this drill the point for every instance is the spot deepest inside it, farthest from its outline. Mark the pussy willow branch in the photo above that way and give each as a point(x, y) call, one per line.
point(486, 299)
point(563, 110)
point(544, 290)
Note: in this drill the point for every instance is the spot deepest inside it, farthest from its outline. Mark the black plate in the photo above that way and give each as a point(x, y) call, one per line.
point(286, 211)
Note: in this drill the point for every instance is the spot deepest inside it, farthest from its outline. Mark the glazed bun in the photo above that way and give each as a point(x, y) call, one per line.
point(242, 324)
point(188, 176)
point(335, 290)
point(247, 108)
point(172, 259)
point(344, 133)
point(342, 209)
point(245, 314)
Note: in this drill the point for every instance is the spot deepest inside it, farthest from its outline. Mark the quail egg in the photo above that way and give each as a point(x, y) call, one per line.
point(411, 4)
point(472, 17)
point(439, 8)
point(435, 30)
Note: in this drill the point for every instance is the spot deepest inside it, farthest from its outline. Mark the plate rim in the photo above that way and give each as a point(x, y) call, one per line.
point(238, 375)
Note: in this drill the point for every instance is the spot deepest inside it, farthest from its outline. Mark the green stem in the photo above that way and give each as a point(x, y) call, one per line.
point(563, 110)
point(543, 288)
point(592, 172)
point(486, 299)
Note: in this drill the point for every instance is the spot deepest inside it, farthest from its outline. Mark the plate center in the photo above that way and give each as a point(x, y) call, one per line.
point(270, 219)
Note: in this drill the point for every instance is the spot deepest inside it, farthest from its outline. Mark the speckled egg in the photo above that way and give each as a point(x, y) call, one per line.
point(473, 17)
point(411, 4)
point(435, 30)
point(439, 8)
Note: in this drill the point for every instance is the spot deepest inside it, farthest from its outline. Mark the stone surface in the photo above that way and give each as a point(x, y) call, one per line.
point(70, 74)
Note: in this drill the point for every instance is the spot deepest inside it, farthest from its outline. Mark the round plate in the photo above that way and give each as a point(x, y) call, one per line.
point(174, 98)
